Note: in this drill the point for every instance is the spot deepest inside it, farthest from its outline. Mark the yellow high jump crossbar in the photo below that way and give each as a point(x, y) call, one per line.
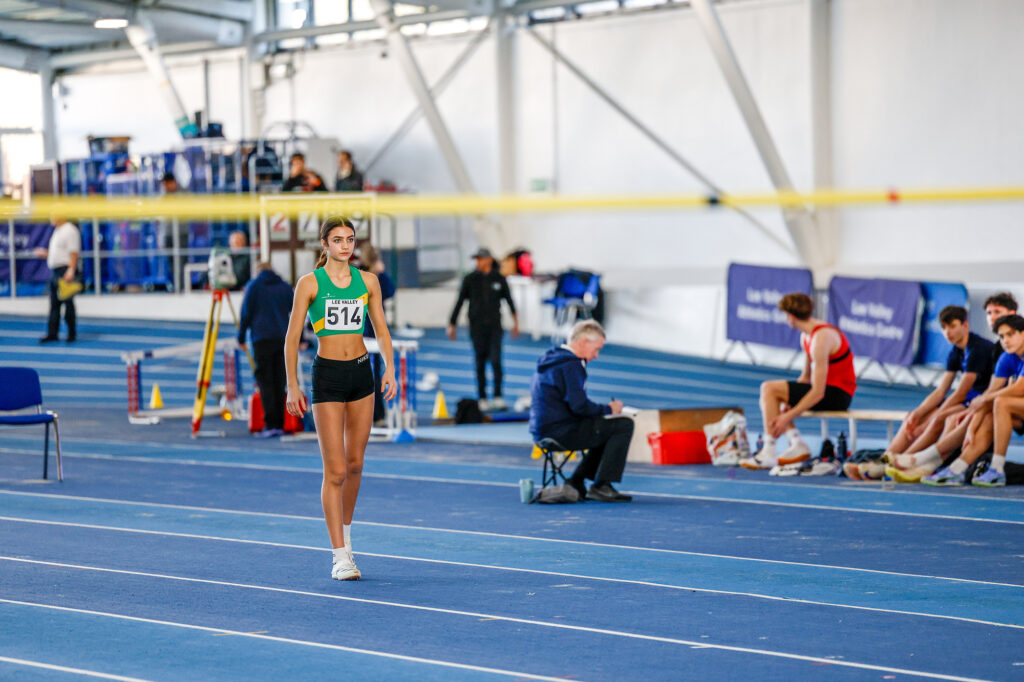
point(203, 207)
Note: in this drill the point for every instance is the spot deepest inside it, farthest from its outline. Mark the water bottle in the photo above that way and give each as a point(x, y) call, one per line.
point(760, 443)
point(888, 483)
point(841, 452)
point(525, 490)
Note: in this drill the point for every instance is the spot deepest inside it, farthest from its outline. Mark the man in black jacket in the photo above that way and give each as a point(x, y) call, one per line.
point(266, 307)
point(560, 409)
point(485, 288)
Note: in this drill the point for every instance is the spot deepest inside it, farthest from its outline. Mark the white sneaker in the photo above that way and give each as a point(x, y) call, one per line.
point(498, 403)
point(797, 452)
point(483, 404)
point(345, 569)
point(760, 461)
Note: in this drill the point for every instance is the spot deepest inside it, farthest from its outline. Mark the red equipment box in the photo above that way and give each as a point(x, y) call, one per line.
point(679, 447)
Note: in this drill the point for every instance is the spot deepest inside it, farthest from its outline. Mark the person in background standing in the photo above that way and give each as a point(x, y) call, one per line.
point(300, 178)
point(349, 179)
point(62, 259)
point(266, 306)
point(240, 263)
point(485, 288)
point(370, 261)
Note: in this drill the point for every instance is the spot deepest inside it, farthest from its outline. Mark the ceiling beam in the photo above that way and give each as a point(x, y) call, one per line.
point(14, 55)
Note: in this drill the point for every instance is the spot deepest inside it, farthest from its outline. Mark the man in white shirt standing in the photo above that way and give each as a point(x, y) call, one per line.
point(62, 259)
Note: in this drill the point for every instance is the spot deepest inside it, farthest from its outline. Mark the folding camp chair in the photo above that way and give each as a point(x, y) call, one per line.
point(555, 456)
point(19, 390)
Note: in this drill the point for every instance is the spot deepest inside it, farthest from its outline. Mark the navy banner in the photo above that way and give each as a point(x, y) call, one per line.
point(752, 308)
point(934, 348)
point(26, 238)
point(879, 317)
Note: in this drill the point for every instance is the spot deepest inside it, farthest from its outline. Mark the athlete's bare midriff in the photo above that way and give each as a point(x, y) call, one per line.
point(342, 347)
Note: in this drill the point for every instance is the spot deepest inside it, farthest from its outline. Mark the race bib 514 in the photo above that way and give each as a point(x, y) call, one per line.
point(343, 314)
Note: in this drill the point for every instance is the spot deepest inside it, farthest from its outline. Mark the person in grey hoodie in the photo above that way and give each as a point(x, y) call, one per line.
point(561, 410)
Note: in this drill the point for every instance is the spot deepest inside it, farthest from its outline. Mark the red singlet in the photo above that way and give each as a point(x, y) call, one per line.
point(840, 364)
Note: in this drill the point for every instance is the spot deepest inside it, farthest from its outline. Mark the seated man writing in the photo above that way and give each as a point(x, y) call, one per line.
point(827, 382)
point(971, 356)
point(561, 410)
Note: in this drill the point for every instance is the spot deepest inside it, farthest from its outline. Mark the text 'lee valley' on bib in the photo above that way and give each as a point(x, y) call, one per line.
point(343, 314)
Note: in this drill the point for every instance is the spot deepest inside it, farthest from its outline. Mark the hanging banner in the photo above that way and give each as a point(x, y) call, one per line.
point(752, 311)
point(27, 237)
point(879, 317)
point(934, 347)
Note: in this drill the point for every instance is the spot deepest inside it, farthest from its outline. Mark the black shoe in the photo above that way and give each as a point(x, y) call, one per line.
point(71, 339)
point(580, 486)
point(606, 493)
point(48, 339)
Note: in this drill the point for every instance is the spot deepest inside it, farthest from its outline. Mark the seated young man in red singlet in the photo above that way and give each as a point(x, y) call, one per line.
point(827, 382)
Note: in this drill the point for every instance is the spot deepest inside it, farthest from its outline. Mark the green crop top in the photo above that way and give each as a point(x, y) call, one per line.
point(336, 310)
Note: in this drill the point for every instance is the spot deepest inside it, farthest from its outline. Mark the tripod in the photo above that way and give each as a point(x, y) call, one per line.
point(207, 359)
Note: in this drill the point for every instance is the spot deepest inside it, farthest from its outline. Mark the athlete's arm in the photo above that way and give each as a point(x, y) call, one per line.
point(388, 385)
point(304, 293)
point(962, 389)
point(805, 375)
point(931, 402)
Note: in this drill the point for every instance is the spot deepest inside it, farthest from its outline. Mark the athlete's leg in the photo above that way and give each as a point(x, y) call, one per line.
point(933, 429)
point(330, 429)
point(906, 435)
point(479, 338)
point(981, 439)
point(1004, 411)
point(774, 394)
point(358, 420)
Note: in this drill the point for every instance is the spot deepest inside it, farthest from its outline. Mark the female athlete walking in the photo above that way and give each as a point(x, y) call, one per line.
point(337, 297)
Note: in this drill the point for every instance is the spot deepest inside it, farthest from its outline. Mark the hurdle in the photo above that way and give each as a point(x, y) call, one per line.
point(231, 390)
point(401, 410)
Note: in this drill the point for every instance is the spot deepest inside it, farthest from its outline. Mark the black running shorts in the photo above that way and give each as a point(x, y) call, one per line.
point(835, 400)
point(341, 381)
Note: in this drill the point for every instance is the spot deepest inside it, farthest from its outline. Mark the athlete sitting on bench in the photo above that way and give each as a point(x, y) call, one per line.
point(971, 356)
point(827, 382)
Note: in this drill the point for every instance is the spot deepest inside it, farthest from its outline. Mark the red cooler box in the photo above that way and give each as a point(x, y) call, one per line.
point(679, 447)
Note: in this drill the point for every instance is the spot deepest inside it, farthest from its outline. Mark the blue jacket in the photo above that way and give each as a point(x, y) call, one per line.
point(265, 307)
point(558, 399)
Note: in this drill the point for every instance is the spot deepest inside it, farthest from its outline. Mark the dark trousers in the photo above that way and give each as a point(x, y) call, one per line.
point(268, 354)
point(53, 325)
point(608, 443)
point(487, 348)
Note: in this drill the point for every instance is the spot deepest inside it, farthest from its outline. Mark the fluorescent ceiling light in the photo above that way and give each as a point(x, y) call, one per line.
point(110, 23)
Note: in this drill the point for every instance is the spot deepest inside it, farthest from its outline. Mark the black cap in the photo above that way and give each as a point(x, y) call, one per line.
point(482, 252)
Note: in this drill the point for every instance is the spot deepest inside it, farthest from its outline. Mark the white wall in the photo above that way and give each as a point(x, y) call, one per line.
point(924, 94)
point(927, 95)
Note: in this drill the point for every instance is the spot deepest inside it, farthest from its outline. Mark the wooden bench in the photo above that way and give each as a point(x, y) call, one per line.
point(854, 416)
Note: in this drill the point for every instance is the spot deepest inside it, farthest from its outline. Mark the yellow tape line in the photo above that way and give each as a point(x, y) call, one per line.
point(224, 206)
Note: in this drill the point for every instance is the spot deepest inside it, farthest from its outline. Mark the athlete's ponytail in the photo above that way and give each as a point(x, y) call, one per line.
point(325, 232)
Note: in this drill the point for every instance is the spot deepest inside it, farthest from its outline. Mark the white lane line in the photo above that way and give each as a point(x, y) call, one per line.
point(286, 640)
point(480, 533)
point(860, 489)
point(508, 619)
point(559, 574)
point(462, 481)
point(65, 669)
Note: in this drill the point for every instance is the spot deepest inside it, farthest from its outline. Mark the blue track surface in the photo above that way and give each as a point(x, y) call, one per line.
point(162, 557)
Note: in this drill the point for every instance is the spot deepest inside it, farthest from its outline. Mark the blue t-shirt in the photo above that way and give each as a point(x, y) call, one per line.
point(976, 357)
point(1008, 366)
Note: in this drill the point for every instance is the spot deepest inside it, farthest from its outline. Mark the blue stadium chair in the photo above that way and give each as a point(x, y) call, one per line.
point(575, 298)
point(20, 389)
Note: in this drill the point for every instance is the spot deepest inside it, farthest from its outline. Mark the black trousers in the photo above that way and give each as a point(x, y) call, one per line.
point(53, 325)
point(268, 354)
point(487, 348)
point(608, 444)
